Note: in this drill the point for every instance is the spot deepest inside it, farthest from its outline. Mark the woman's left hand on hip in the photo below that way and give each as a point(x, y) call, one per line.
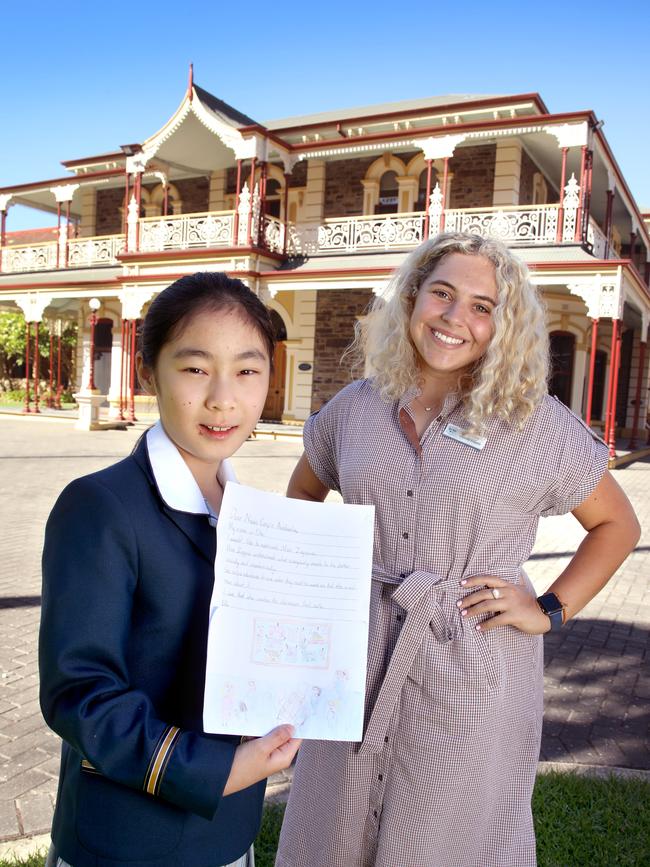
point(505, 603)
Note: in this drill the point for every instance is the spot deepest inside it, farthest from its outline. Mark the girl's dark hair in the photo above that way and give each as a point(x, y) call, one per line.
point(195, 294)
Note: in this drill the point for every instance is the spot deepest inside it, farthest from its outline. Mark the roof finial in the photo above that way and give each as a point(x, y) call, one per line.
point(190, 84)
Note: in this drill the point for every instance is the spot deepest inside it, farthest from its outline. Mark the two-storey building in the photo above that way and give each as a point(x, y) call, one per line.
point(315, 212)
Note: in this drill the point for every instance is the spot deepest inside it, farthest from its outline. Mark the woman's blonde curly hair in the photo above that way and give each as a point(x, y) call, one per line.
point(509, 381)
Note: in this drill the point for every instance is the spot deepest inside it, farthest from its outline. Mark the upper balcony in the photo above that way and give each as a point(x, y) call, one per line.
point(218, 231)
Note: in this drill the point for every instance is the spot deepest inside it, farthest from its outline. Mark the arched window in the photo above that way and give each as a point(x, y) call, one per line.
point(388, 194)
point(562, 354)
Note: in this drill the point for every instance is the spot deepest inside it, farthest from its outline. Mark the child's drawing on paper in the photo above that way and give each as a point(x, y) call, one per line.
point(326, 709)
point(286, 642)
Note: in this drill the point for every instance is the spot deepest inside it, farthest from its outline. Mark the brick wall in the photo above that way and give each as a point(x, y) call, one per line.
point(473, 183)
point(343, 188)
point(297, 178)
point(336, 313)
point(108, 220)
point(194, 193)
point(528, 169)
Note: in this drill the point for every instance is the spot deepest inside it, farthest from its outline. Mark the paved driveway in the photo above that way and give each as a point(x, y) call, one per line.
point(597, 692)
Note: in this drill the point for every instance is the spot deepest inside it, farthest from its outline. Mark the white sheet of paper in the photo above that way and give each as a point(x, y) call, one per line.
point(288, 630)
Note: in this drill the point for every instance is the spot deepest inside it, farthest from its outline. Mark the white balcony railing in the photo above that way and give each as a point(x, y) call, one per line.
point(352, 234)
point(597, 239)
point(32, 257)
point(88, 252)
point(187, 231)
point(529, 224)
point(533, 224)
point(273, 234)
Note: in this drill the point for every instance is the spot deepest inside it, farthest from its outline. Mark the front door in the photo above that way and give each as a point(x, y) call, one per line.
point(562, 352)
point(274, 406)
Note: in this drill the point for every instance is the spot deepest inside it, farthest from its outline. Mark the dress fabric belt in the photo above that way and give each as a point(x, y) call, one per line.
point(419, 596)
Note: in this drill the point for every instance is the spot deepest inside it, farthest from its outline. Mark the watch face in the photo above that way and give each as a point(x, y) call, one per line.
point(549, 603)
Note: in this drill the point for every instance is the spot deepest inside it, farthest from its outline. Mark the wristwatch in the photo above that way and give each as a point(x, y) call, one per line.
point(553, 608)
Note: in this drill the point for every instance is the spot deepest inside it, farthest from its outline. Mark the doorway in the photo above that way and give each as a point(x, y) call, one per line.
point(562, 352)
point(103, 349)
point(274, 406)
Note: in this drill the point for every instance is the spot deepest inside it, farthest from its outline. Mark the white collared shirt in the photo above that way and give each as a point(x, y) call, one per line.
point(176, 484)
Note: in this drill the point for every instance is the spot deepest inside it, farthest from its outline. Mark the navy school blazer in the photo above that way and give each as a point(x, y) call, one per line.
point(127, 582)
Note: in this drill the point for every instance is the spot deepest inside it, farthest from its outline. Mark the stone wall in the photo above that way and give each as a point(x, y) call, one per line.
point(473, 183)
point(336, 313)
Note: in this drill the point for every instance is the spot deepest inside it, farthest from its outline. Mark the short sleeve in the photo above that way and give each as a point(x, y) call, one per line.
point(581, 460)
point(323, 433)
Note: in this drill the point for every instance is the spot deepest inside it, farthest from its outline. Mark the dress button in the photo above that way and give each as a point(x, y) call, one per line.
point(398, 617)
point(409, 493)
point(405, 535)
point(386, 739)
point(439, 418)
point(375, 813)
point(380, 777)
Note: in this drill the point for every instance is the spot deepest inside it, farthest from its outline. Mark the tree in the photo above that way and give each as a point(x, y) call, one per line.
point(13, 338)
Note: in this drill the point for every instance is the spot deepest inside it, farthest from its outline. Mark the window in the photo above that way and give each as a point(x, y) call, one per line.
point(273, 198)
point(388, 194)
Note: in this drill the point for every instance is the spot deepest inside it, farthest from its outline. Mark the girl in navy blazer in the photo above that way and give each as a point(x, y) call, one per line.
point(127, 580)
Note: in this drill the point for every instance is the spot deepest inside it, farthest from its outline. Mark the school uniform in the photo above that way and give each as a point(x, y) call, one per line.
point(128, 571)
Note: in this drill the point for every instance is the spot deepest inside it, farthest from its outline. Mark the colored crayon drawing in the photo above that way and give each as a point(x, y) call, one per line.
point(283, 642)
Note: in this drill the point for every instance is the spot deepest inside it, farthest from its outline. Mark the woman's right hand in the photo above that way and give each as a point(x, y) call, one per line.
point(258, 758)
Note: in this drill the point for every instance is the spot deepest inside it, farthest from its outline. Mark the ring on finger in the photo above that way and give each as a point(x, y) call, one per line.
point(495, 593)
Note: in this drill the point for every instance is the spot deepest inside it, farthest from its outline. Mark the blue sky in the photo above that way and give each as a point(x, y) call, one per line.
point(81, 78)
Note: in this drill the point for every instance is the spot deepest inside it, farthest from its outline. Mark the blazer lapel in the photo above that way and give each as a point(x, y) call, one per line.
point(196, 527)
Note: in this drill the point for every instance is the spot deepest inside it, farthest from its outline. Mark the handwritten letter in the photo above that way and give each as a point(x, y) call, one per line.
point(289, 616)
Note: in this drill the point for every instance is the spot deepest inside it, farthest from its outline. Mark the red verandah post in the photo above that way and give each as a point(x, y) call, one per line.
point(592, 369)
point(28, 337)
point(36, 366)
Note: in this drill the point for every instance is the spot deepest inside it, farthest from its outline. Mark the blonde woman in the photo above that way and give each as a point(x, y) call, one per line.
point(455, 440)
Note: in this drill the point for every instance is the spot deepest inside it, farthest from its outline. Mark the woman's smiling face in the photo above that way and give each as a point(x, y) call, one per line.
point(451, 324)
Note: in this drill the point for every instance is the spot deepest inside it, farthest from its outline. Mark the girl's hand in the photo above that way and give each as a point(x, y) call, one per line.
point(260, 757)
point(509, 604)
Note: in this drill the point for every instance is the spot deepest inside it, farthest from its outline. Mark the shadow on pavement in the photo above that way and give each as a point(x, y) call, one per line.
point(19, 601)
point(552, 555)
point(597, 691)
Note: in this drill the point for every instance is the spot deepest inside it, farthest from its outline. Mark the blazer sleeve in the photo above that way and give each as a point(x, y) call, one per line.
point(90, 576)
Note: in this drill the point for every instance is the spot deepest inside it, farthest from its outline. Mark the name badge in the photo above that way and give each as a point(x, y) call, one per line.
point(456, 433)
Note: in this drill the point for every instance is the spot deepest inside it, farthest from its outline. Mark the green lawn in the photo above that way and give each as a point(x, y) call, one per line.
point(580, 821)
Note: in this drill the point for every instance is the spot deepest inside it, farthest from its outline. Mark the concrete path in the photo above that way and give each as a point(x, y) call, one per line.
point(597, 710)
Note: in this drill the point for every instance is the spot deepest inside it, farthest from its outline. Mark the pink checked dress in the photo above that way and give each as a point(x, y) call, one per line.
point(444, 773)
